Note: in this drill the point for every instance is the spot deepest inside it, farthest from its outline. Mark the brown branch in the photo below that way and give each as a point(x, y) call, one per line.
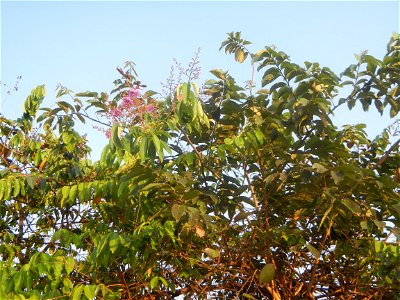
point(274, 291)
point(253, 194)
point(126, 287)
point(198, 154)
point(386, 154)
point(311, 287)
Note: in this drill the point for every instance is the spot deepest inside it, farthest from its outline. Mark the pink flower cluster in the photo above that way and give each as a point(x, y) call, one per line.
point(127, 101)
point(132, 110)
point(115, 113)
point(134, 93)
point(108, 133)
point(150, 108)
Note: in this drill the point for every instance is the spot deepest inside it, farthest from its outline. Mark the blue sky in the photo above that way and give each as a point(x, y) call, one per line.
point(79, 44)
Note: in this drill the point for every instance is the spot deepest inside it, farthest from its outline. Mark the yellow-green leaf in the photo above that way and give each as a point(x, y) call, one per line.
point(72, 194)
point(89, 291)
point(17, 187)
point(240, 55)
point(77, 292)
point(114, 137)
point(267, 274)
point(153, 282)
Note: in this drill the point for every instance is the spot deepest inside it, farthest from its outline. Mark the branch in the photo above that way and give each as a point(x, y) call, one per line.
point(311, 286)
point(253, 194)
point(198, 154)
point(86, 115)
point(386, 154)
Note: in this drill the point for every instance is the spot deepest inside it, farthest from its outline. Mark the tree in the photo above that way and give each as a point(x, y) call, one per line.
point(247, 194)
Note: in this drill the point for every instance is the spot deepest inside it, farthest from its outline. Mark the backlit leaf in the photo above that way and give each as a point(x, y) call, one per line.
point(178, 211)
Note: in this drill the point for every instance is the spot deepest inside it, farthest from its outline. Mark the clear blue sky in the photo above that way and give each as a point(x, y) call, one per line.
point(79, 44)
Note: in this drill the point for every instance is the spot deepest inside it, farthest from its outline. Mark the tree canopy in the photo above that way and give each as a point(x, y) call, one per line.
point(221, 192)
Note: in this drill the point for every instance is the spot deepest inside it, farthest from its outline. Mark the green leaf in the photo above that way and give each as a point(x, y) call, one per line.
point(143, 149)
point(365, 225)
point(18, 281)
point(122, 189)
point(77, 292)
point(352, 205)
point(164, 282)
point(84, 191)
point(65, 106)
point(65, 194)
point(372, 60)
point(195, 89)
point(31, 180)
point(248, 296)
point(393, 112)
point(178, 211)
point(166, 147)
point(396, 232)
point(157, 145)
point(42, 117)
point(81, 118)
point(66, 137)
point(303, 102)
point(72, 194)
point(17, 187)
point(337, 177)
point(2, 188)
point(69, 264)
point(28, 281)
point(151, 186)
point(219, 74)
point(38, 158)
point(239, 142)
point(114, 137)
point(67, 284)
point(319, 168)
point(7, 189)
point(34, 100)
point(267, 274)
point(154, 282)
point(211, 252)
point(87, 94)
point(313, 251)
point(270, 75)
point(114, 242)
point(240, 55)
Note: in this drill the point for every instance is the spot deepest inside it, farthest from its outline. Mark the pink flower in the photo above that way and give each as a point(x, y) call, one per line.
point(115, 112)
point(134, 92)
point(150, 108)
point(108, 133)
point(127, 101)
